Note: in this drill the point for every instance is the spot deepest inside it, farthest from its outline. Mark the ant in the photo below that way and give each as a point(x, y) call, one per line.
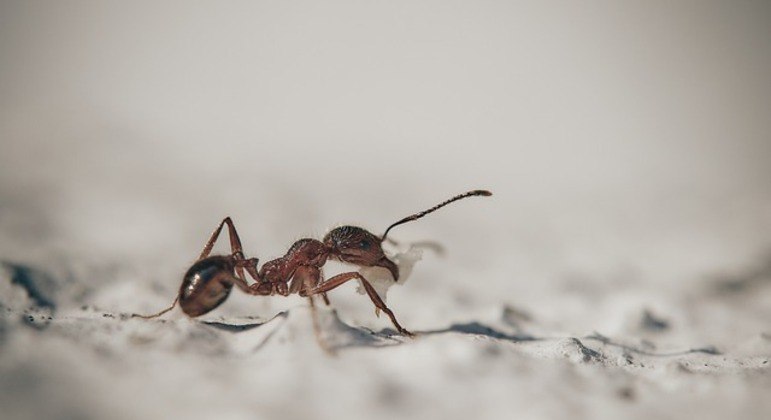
point(210, 279)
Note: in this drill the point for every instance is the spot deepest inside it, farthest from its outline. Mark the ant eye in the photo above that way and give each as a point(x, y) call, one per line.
point(364, 244)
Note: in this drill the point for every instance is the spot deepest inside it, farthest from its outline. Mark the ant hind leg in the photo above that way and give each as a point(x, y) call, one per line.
point(235, 244)
point(156, 315)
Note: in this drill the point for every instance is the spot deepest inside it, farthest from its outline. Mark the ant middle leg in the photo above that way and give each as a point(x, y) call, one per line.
point(306, 279)
point(317, 328)
point(376, 300)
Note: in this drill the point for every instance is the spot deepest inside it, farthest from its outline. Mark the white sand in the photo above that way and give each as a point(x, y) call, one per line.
point(584, 354)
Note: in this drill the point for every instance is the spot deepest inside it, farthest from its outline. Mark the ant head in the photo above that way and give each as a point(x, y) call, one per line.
point(353, 243)
point(358, 246)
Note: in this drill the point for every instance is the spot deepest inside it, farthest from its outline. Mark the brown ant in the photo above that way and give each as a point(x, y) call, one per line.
point(209, 281)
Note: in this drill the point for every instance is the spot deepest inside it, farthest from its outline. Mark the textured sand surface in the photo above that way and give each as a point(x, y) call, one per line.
point(540, 360)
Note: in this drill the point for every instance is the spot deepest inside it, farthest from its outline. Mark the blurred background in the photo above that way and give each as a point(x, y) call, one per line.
point(626, 143)
point(629, 137)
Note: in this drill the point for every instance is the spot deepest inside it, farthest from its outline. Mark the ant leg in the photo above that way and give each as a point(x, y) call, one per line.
point(173, 304)
point(241, 262)
point(251, 267)
point(306, 279)
point(235, 241)
point(303, 281)
point(376, 300)
point(316, 283)
point(243, 285)
point(317, 328)
point(235, 244)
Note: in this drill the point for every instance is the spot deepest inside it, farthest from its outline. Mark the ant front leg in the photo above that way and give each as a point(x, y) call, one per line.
point(376, 300)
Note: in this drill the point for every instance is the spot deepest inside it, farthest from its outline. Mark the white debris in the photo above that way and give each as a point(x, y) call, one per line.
point(381, 279)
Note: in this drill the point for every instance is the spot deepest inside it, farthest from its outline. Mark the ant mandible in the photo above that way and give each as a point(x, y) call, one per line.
point(209, 281)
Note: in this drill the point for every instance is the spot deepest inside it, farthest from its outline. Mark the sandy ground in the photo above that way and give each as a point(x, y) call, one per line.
point(621, 270)
point(90, 362)
point(585, 347)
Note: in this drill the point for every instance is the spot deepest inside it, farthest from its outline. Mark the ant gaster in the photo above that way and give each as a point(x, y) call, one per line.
point(211, 278)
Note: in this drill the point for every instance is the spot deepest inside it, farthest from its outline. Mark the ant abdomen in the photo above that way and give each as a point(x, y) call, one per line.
point(206, 285)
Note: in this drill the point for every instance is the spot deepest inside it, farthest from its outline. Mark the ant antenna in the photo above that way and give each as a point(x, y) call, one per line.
point(417, 216)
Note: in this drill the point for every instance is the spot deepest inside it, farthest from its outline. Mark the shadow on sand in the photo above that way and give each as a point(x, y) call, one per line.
point(477, 328)
point(356, 337)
